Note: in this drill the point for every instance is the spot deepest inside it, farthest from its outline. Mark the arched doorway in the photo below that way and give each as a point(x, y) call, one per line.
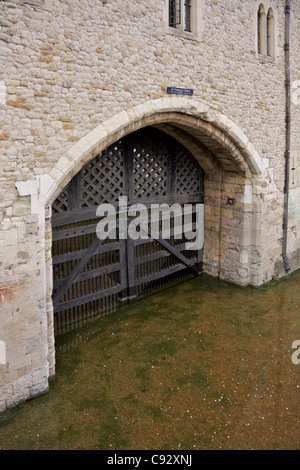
point(92, 276)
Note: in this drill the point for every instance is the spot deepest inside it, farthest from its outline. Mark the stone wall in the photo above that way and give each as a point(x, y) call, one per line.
point(77, 75)
point(294, 198)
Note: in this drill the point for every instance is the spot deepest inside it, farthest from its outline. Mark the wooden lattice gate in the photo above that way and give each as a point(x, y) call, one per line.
point(92, 276)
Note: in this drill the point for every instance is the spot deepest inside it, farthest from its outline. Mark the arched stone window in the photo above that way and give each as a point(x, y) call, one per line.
point(265, 29)
point(261, 30)
point(270, 33)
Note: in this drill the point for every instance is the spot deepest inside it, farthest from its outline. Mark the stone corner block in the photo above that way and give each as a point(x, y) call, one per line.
point(27, 188)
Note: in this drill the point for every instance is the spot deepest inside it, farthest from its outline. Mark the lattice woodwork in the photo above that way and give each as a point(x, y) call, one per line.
point(150, 164)
point(188, 175)
point(102, 178)
point(61, 203)
point(92, 278)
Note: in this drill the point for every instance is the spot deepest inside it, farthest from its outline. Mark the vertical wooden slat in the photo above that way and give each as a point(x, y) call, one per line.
point(131, 269)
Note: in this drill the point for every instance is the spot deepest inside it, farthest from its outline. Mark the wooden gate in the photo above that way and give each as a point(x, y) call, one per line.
point(92, 276)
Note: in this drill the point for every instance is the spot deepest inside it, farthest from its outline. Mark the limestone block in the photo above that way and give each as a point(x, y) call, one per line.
point(246, 196)
point(46, 186)
point(22, 206)
point(27, 188)
point(244, 257)
point(2, 402)
point(96, 136)
point(56, 174)
point(116, 123)
point(78, 151)
point(63, 165)
point(10, 237)
point(40, 388)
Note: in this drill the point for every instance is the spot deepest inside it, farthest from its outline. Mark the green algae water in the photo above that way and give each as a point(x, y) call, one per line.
point(201, 365)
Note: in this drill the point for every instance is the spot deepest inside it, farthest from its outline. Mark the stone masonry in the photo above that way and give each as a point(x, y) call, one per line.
point(75, 76)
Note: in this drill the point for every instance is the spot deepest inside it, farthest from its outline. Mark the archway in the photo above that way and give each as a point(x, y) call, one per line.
point(228, 158)
point(148, 189)
point(197, 123)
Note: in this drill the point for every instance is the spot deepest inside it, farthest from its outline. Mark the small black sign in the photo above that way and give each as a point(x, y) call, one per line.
point(180, 91)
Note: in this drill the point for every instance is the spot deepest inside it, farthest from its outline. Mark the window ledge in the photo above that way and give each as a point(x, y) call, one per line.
point(182, 34)
point(36, 4)
point(265, 59)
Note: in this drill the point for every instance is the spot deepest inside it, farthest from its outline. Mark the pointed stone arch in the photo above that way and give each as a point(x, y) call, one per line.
point(228, 158)
point(197, 121)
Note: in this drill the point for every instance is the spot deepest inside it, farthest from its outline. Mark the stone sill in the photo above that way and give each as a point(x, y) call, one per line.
point(39, 4)
point(265, 59)
point(182, 34)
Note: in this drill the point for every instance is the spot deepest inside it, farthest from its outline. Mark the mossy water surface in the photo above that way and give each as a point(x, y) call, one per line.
point(201, 365)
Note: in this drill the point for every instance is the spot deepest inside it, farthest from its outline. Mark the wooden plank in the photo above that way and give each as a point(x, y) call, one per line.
point(81, 253)
point(152, 257)
point(73, 232)
point(74, 192)
point(160, 274)
point(90, 274)
point(79, 266)
point(79, 215)
point(156, 256)
point(172, 250)
point(73, 217)
point(173, 199)
point(86, 298)
point(123, 269)
point(131, 269)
